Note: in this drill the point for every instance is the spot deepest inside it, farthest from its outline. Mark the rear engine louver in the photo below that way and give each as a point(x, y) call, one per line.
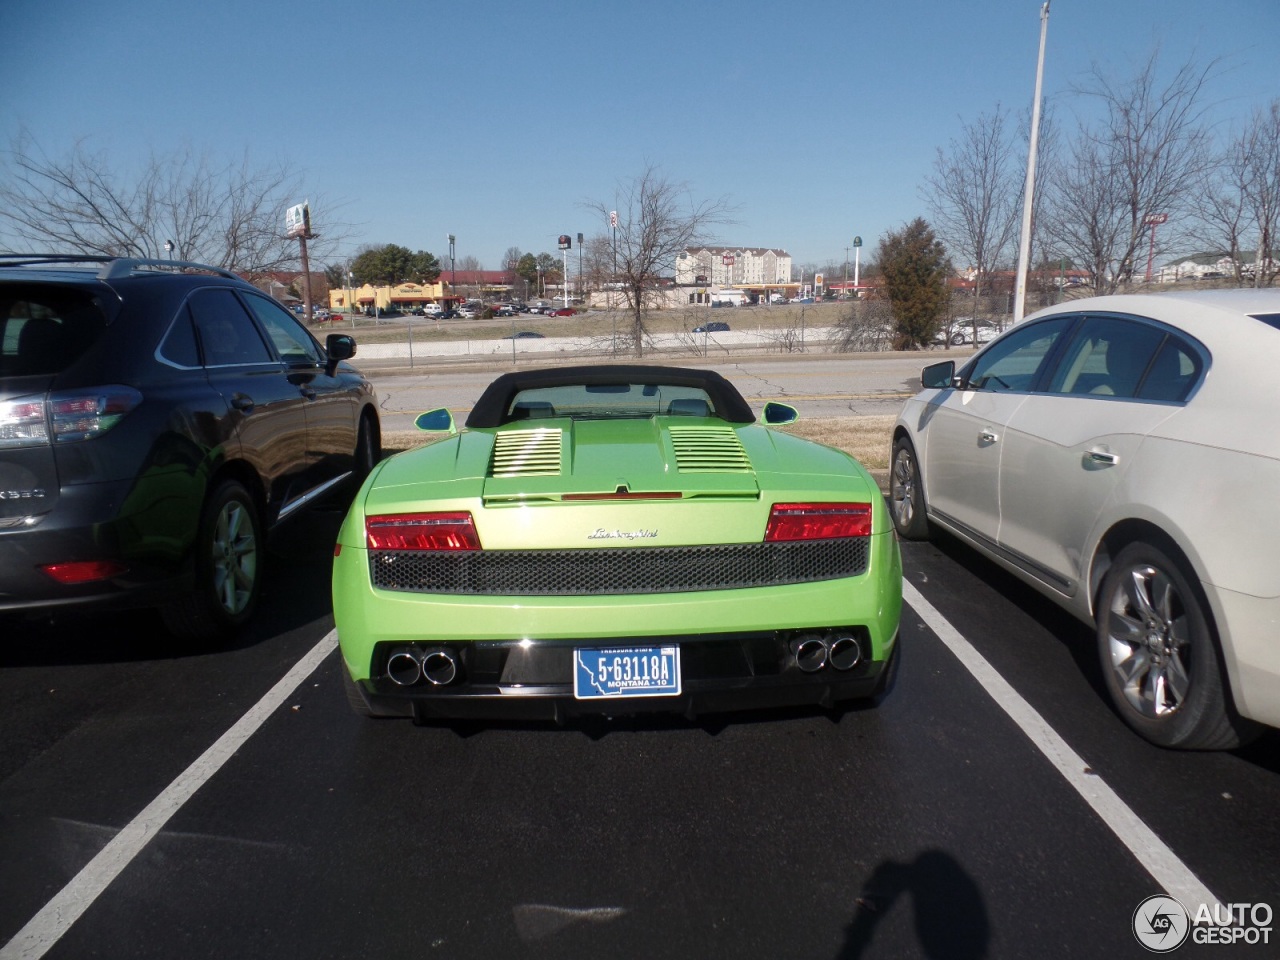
point(526, 453)
point(708, 450)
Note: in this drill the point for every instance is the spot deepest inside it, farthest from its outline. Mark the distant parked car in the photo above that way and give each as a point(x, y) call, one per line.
point(157, 419)
point(562, 312)
point(712, 326)
point(524, 335)
point(1115, 454)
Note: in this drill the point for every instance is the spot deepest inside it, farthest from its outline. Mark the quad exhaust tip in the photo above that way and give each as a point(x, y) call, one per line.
point(814, 651)
point(410, 665)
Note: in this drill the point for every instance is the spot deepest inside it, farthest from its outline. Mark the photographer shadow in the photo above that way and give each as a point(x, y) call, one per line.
point(950, 918)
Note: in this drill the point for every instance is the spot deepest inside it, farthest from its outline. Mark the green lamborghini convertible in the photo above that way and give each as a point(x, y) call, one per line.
point(611, 540)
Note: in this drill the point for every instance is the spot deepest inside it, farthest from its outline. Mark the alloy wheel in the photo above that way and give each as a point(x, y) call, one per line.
point(1149, 642)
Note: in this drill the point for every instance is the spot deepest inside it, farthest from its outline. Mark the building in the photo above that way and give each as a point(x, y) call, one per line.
point(733, 266)
point(451, 288)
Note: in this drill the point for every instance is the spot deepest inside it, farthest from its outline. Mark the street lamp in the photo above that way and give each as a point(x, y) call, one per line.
point(1024, 241)
point(566, 242)
point(857, 251)
point(453, 275)
point(351, 292)
point(1153, 220)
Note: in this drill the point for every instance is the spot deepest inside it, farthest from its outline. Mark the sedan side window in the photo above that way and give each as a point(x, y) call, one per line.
point(290, 338)
point(1016, 361)
point(1175, 371)
point(1107, 358)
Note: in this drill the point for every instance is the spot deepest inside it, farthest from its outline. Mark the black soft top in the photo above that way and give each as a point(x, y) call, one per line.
point(491, 409)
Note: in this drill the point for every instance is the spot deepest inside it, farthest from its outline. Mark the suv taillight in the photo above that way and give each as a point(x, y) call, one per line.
point(64, 416)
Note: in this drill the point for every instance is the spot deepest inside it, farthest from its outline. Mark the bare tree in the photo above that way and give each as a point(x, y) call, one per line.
point(227, 214)
point(1239, 202)
point(1145, 157)
point(1084, 212)
point(973, 196)
point(657, 219)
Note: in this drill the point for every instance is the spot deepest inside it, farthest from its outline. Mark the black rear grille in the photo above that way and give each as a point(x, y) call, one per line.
point(571, 573)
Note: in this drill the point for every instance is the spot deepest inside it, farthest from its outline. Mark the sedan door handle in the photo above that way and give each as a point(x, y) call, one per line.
point(987, 436)
point(242, 401)
point(1103, 457)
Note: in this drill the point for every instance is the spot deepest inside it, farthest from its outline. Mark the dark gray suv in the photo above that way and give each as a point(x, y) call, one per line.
point(156, 419)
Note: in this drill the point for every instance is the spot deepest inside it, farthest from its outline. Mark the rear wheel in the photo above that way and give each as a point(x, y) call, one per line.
point(906, 493)
point(227, 568)
point(1159, 655)
point(368, 448)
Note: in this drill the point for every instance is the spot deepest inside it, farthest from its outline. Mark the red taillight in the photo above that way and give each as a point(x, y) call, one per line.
point(84, 571)
point(422, 531)
point(818, 521)
point(85, 415)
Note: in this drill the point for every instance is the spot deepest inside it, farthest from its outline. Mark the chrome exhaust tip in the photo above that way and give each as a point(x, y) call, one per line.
point(844, 652)
point(439, 666)
point(810, 653)
point(404, 668)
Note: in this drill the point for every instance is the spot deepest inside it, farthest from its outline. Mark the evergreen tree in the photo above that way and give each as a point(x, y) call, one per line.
point(915, 268)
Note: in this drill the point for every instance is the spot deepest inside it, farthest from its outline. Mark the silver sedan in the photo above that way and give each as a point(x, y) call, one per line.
point(1120, 455)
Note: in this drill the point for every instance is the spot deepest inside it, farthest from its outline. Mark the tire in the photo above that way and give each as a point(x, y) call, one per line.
point(1160, 658)
point(228, 568)
point(368, 448)
point(906, 493)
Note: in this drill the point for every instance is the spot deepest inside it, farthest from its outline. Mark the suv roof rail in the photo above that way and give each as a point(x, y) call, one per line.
point(129, 266)
point(113, 268)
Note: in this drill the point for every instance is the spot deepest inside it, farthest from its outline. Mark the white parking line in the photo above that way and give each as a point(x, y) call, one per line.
point(47, 927)
point(1173, 876)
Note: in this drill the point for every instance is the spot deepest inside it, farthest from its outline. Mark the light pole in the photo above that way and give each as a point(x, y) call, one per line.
point(351, 293)
point(857, 251)
point(1153, 220)
point(566, 242)
point(168, 249)
point(1024, 243)
point(453, 274)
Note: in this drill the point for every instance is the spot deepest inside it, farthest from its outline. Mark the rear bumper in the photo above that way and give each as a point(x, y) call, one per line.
point(1252, 653)
point(96, 522)
point(720, 673)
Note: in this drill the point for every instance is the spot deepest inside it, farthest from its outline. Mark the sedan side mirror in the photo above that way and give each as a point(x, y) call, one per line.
point(939, 376)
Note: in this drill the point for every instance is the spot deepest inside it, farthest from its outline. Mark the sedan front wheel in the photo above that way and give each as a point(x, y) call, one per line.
point(906, 494)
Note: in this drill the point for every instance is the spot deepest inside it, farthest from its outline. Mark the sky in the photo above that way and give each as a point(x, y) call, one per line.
point(501, 122)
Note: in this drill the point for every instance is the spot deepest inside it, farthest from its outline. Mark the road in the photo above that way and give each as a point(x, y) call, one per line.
point(819, 385)
point(991, 805)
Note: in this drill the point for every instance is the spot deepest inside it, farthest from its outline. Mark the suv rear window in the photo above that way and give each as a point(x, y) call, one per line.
point(45, 329)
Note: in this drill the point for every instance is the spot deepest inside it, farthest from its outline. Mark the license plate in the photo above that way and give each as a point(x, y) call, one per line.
point(616, 672)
